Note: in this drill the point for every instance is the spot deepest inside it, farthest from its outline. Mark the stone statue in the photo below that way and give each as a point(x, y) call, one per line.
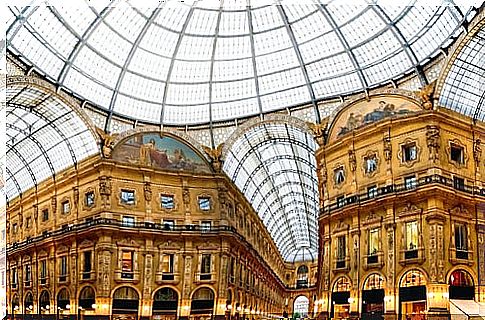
point(477, 151)
point(426, 94)
point(147, 191)
point(352, 161)
point(107, 142)
point(387, 148)
point(215, 156)
point(319, 131)
point(433, 141)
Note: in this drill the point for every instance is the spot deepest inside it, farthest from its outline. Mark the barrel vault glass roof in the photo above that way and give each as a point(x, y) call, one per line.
point(464, 85)
point(188, 62)
point(274, 166)
point(44, 136)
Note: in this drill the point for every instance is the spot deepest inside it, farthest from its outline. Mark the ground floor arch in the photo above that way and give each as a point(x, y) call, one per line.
point(44, 302)
point(461, 285)
point(341, 298)
point(125, 303)
point(373, 297)
point(300, 306)
point(412, 295)
point(202, 302)
point(165, 303)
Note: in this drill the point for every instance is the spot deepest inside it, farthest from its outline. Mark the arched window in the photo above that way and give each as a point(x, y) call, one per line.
point(461, 285)
point(165, 301)
point(28, 302)
point(15, 303)
point(413, 278)
point(87, 298)
point(374, 281)
point(63, 298)
point(44, 302)
point(342, 285)
point(125, 301)
point(202, 301)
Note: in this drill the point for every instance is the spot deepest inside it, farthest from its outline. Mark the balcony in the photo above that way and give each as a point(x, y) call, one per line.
point(399, 188)
point(206, 277)
point(87, 275)
point(414, 256)
point(410, 254)
point(461, 256)
point(372, 259)
point(167, 278)
point(63, 278)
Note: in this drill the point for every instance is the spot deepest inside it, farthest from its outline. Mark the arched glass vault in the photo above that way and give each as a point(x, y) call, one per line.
point(190, 62)
point(44, 136)
point(464, 85)
point(274, 165)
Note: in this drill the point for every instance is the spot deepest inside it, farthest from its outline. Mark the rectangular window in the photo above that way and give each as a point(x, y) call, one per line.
point(66, 207)
point(28, 275)
point(372, 191)
point(15, 228)
point(45, 215)
point(43, 269)
point(127, 264)
point(28, 222)
point(87, 261)
point(461, 241)
point(458, 183)
point(89, 199)
point(205, 226)
point(167, 202)
point(412, 236)
point(456, 154)
point(409, 152)
point(128, 197)
point(15, 277)
point(373, 241)
point(63, 268)
point(168, 263)
point(205, 266)
point(128, 221)
point(168, 224)
point(410, 182)
point(204, 203)
point(341, 248)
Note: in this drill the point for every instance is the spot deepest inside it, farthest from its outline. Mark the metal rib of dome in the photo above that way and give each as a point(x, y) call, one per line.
point(188, 63)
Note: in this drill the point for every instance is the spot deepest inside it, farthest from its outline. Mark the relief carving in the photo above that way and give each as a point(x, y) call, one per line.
point(104, 186)
point(433, 141)
point(441, 254)
point(481, 253)
point(54, 205)
point(387, 148)
point(432, 253)
point(104, 273)
point(390, 256)
point(148, 276)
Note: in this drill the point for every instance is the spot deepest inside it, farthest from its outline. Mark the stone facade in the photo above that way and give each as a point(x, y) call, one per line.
point(395, 193)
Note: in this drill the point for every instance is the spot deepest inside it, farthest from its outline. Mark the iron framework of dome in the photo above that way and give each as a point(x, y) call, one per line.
point(187, 63)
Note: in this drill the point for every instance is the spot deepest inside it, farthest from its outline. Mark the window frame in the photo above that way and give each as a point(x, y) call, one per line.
point(127, 201)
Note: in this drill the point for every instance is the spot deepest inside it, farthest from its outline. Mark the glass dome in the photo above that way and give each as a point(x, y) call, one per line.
point(190, 62)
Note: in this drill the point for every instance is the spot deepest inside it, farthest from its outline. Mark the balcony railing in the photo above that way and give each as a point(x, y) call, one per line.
point(136, 226)
point(338, 204)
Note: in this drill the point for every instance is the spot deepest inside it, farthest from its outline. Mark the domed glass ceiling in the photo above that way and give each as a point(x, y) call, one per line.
point(189, 62)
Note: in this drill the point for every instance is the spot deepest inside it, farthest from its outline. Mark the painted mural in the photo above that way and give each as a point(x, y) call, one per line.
point(365, 112)
point(149, 149)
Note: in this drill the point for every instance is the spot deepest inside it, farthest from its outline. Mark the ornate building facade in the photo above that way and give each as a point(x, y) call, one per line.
point(150, 230)
point(402, 227)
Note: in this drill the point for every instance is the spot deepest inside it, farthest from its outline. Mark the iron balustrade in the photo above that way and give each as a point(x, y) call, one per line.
point(398, 188)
